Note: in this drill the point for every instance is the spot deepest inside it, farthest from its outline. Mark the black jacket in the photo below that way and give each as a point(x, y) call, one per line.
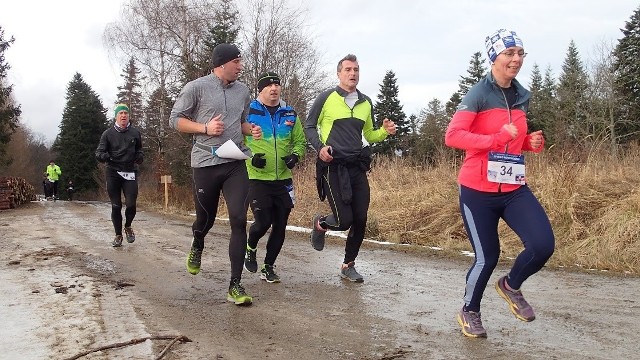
point(121, 150)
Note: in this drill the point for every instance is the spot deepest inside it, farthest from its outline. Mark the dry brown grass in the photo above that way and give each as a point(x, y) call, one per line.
point(592, 200)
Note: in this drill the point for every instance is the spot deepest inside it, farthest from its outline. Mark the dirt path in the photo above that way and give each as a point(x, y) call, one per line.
point(65, 290)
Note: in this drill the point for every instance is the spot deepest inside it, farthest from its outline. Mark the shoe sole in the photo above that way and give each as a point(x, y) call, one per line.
point(116, 245)
point(246, 302)
point(131, 241)
point(262, 277)
point(467, 334)
point(317, 247)
point(352, 280)
point(512, 306)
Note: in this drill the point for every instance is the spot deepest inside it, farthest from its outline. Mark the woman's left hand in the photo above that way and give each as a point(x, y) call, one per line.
point(535, 139)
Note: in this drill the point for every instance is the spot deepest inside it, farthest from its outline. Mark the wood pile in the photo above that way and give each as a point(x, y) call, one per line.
point(15, 191)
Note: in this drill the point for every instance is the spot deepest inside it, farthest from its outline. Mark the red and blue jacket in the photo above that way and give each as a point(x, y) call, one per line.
point(476, 127)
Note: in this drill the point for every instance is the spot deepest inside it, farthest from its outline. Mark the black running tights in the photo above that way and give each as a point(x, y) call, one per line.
point(116, 186)
point(232, 180)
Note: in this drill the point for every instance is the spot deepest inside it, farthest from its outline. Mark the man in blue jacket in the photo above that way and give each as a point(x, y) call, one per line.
point(271, 195)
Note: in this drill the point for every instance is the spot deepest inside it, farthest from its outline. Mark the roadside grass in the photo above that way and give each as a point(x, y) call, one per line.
point(592, 199)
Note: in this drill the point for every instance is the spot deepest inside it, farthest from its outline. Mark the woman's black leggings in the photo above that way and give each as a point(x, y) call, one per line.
point(116, 186)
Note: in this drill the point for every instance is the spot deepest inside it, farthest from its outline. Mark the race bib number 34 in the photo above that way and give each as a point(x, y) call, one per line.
point(506, 168)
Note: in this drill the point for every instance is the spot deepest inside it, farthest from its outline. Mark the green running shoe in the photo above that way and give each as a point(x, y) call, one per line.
point(193, 260)
point(237, 294)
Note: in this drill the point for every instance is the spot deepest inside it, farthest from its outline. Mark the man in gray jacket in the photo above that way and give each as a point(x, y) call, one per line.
point(214, 109)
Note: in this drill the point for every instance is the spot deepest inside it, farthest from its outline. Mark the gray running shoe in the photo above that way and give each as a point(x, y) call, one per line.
point(317, 233)
point(117, 241)
point(250, 262)
point(131, 236)
point(268, 274)
point(348, 271)
point(517, 304)
point(471, 324)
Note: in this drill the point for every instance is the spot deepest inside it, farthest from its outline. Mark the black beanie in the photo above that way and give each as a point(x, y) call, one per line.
point(223, 53)
point(267, 79)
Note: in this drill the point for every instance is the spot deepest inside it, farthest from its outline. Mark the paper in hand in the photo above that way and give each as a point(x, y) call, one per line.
point(229, 150)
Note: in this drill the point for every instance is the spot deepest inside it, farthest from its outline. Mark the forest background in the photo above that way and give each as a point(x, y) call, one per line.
point(587, 179)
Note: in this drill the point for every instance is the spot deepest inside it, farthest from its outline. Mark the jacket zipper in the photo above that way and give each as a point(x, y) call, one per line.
point(506, 147)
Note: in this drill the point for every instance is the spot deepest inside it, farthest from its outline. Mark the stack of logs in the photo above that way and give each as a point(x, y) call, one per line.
point(15, 191)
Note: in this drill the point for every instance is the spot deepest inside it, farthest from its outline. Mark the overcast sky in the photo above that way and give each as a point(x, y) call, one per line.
point(428, 44)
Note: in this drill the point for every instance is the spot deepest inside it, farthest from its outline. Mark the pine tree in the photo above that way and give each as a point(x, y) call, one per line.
point(168, 150)
point(627, 82)
point(430, 143)
point(547, 106)
point(9, 112)
point(388, 106)
point(83, 121)
point(533, 121)
point(452, 104)
point(570, 123)
point(224, 30)
point(475, 73)
point(129, 92)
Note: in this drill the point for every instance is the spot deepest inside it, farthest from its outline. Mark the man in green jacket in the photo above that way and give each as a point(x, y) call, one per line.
point(271, 194)
point(53, 174)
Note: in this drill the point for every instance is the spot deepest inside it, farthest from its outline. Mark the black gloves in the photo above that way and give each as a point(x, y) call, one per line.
point(139, 158)
point(259, 161)
point(103, 157)
point(290, 160)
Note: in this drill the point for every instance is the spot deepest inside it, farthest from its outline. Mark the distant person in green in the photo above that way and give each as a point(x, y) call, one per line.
point(271, 195)
point(53, 174)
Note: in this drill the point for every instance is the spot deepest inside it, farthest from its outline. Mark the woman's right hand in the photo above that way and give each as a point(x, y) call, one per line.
point(511, 129)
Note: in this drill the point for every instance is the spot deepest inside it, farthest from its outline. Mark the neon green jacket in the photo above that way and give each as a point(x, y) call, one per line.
point(53, 172)
point(333, 123)
point(282, 135)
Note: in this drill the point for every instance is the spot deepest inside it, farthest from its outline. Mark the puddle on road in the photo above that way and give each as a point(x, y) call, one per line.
point(100, 265)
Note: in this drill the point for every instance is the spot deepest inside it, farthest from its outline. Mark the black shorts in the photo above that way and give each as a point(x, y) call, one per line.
point(266, 194)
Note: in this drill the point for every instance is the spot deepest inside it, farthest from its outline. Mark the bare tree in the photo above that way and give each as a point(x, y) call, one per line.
point(30, 156)
point(603, 101)
point(274, 39)
point(162, 36)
